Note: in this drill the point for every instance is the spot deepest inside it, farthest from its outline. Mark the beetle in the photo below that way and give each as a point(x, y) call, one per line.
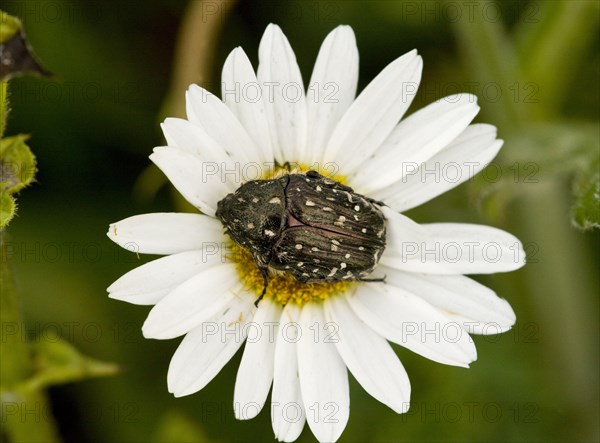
point(309, 225)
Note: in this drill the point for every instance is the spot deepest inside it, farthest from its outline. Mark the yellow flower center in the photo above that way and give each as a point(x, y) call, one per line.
point(283, 286)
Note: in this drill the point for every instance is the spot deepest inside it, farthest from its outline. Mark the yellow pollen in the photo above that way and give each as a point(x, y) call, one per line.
point(301, 168)
point(283, 286)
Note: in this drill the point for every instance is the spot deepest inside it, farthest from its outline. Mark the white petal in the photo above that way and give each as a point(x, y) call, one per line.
point(255, 375)
point(459, 248)
point(331, 90)
point(287, 410)
point(242, 93)
point(208, 112)
point(478, 306)
point(374, 113)
point(468, 154)
point(283, 92)
point(401, 230)
point(166, 233)
point(205, 350)
point(410, 321)
point(323, 375)
point(149, 283)
point(416, 139)
point(369, 356)
point(201, 183)
point(185, 135)
point(194, 301)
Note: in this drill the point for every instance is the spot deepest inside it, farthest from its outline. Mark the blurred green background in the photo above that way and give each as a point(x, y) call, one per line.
point(534, 67)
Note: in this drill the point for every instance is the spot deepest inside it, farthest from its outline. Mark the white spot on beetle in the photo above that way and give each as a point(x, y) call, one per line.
point(250, 225)
point(357, 208)
point(310, 203)
point(363, 230)
point(361, 248)
point(269, 233)
point(334, 241)
point(327, 209)
point(255, 200)
point(347, 256)
point(319, 189)
point(332, 273)
point(275, 200)
point(314, 249)
point(343, 265)
point(298, 246)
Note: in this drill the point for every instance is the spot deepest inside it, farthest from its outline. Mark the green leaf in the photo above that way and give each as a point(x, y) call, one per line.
point(532, 156)
point(7, 209)
point(58, 362)
point(586, 212)
point(17, 164)
point(558, 147)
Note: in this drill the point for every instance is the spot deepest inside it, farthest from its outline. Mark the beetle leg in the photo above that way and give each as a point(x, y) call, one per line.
point(376, 202)
point(372, 280)
point(265, 276)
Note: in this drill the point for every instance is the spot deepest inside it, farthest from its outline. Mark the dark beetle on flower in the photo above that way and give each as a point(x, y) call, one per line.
point(309, 225)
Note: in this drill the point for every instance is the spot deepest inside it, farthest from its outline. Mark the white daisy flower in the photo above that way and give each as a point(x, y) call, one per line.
point(303, 337)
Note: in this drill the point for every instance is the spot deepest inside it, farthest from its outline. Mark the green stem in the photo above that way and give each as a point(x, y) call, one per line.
point(550, 48)
point(561, 289)
point(3, 106)
point(26, 415)
point(491, 59)
point(195, 50)
point(15, 364)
